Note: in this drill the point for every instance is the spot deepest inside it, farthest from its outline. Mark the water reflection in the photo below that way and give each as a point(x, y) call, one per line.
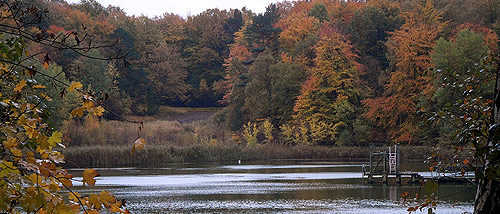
point(266, 188)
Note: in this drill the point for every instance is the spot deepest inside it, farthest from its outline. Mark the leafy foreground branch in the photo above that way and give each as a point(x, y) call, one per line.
point(473, 111)
point(31, 179)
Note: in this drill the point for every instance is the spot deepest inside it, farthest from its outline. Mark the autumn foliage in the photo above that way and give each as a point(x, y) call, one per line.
point(32, 179)
point(319, 72)
point(330, 97)
point(410, 83)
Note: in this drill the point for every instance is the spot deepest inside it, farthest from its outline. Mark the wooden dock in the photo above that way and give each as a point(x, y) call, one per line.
point(386, 165)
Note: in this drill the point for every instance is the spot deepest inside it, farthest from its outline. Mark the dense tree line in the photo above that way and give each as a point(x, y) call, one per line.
point(170, 60)
point(323, 72)
point(331, 72)
point(369, 70)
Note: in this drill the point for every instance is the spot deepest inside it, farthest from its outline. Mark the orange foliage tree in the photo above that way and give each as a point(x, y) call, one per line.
point(330, 97)
point(295, 28)
point(410, 82)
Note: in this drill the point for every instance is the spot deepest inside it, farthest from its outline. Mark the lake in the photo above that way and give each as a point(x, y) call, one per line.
point(272, 187)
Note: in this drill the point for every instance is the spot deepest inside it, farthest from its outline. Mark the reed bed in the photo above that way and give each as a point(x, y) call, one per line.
point(95, 143)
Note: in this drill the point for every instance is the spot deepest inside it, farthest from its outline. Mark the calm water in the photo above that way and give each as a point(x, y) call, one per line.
point(278, 187)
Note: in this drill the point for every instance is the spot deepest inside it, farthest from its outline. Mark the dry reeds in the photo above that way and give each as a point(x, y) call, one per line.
point(95, 143)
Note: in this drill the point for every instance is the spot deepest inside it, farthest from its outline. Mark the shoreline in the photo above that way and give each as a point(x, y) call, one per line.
point(160, 155)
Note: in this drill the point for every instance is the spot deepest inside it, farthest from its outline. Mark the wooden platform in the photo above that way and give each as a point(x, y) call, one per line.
point(413, 177)
point(386, 165)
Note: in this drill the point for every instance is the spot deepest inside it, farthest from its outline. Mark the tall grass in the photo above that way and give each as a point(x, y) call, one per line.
point(95, 143)
point(114, 133)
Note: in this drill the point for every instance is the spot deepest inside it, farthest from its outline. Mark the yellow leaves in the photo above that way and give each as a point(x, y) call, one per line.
point(88, 105)
point(74, 197)
point(55, 156)
point(19, 87)
point(10, 142)
point(78, 112)
point(268, 130)
point(34, 178)
point(62, 208)
point(98, 111)
point(250, 133)
point(104, 199)
point(116, 207)
point(45, 97)
point(32, 200)
point(54, 187)
point(94, 200)
point(31, 132)
point(138, 144)
point(65, 180)
point(93, 110)
point(7, 169)
point(107, 198)
point(287, 131)
point(46, 169)
point(43, 143)
point(75, 85)
point(31, 178)
point(16, 152)
point(89, 176)
point(55, 138)
point(92, 212)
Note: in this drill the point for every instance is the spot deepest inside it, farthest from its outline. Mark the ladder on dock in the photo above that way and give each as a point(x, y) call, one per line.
point(387, 165)
point(393, 160)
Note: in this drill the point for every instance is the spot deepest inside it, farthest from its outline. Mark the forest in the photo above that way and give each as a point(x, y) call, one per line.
point(314, 72)
point(304, 79)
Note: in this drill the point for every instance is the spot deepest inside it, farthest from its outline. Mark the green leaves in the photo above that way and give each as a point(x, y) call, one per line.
point(55, 138)
point(7, 169)
point(32, 179)
point(430, 186)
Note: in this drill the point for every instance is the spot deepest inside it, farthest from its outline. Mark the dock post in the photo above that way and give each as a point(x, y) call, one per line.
point(370, 176)
point(385, 175)
point(385, 162)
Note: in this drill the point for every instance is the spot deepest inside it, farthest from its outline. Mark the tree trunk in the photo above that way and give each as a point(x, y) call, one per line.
point(488, 197)
point(488, 192)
